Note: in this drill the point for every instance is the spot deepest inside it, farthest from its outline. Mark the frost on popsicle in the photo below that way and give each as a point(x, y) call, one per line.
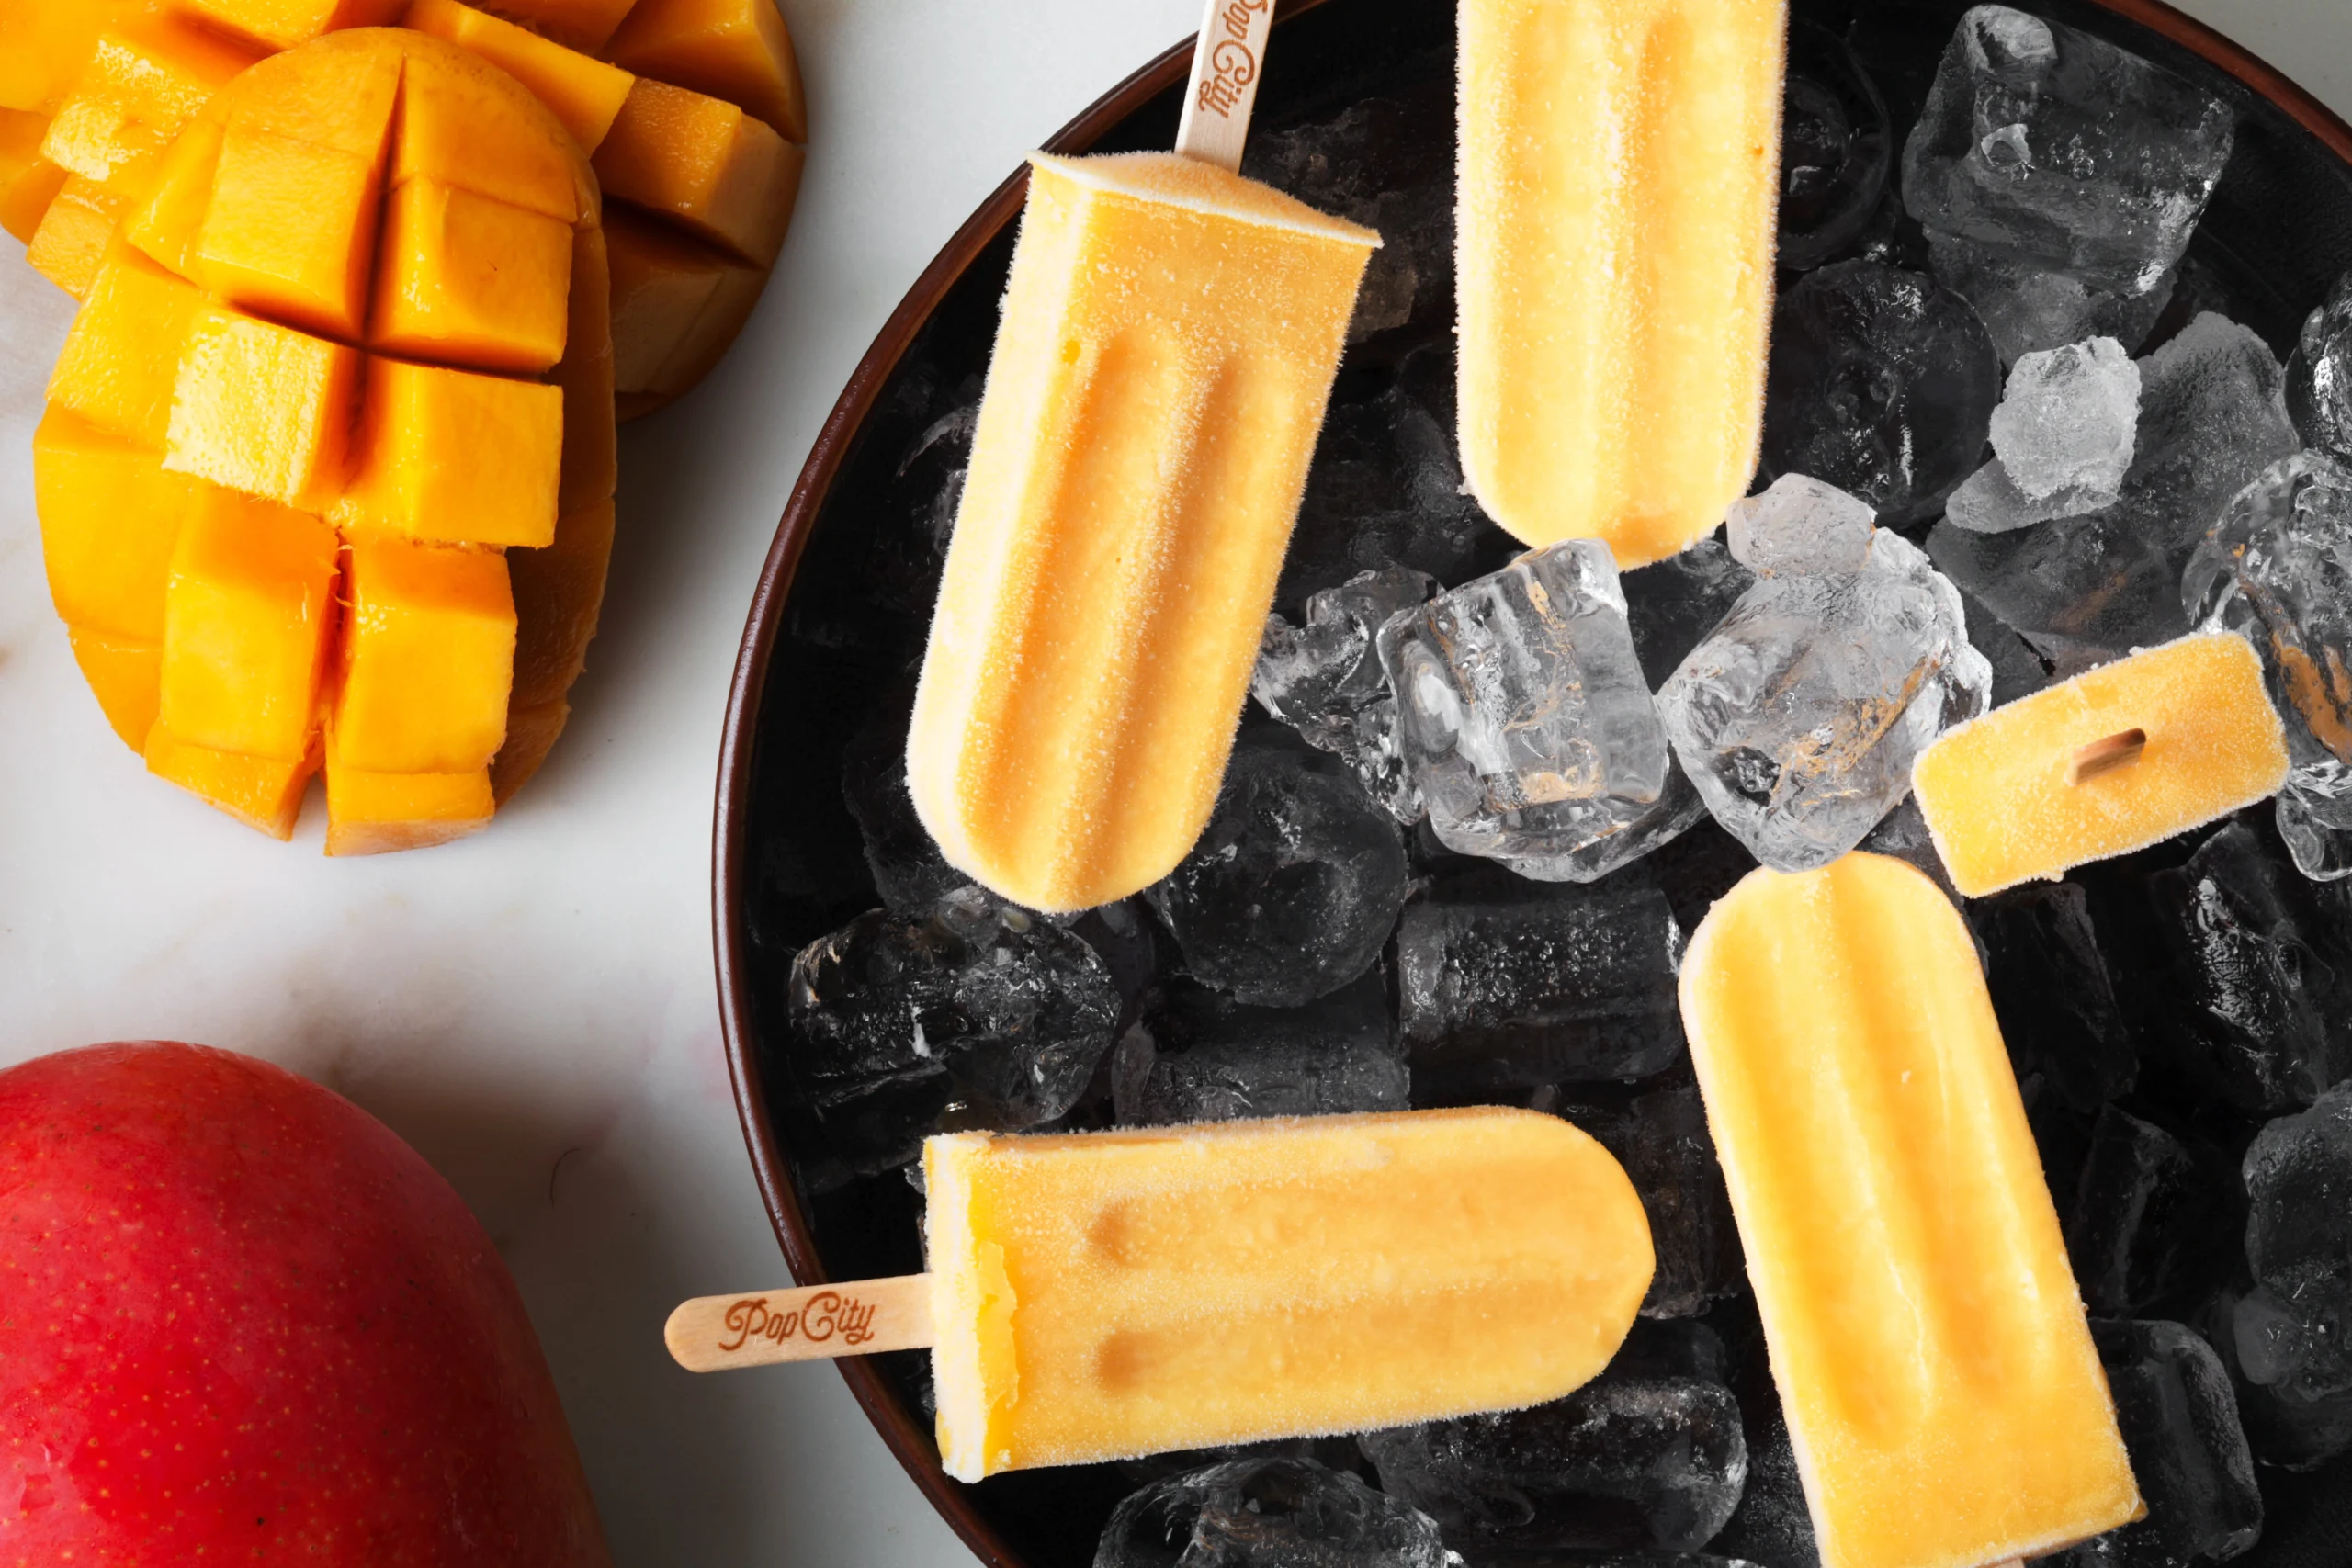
point(1800, 716)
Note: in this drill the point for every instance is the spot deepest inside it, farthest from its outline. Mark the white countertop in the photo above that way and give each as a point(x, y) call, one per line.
point(533, 1008)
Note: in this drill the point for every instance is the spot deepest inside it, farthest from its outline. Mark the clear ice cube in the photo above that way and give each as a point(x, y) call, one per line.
point(2318, 375)
point(1268, 1513)
point(2148, 1220)
point(1323, 679)
point(1672, 604)
point(1773, 1523)
point(2049, 144)
point(1197, 1055)
point(2293, 1332)
point(1799, 527)
point(2314, 815)
point(1521, 709)
point(1799, 717)
point(1837, 150)
point(2189, 1452)
point(2029, 307)
point(1293, 888)
point(2067, 421)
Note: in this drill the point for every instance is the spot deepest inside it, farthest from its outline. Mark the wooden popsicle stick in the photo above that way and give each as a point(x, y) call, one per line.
point(814, 1323)
point(2106, 755)
point(1224, 87)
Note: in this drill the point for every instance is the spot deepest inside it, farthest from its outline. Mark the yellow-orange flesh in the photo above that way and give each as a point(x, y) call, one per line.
point(1614, 228)
point(1942, 1389)
point(1170, 335)
point(1105, 1294)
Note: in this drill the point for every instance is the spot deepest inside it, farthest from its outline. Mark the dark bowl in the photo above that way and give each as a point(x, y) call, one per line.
point(840, 608)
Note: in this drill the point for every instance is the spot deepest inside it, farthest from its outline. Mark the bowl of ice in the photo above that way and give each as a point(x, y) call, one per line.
point(2058, 300)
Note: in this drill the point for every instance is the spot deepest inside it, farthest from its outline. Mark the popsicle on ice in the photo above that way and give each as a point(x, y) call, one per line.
point(1096, 1295)
point(2112, 761)
point(1942, 1392)
point(1614, 231)
point(1168, 339)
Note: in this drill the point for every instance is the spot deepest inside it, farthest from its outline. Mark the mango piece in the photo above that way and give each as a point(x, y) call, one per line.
point(166, 224)
point(74, 227)
point(557, 593)
point(126, 676)
point(591, 469)
point(736, 50)
point(531, 734)
point(109, 517)
point(585, 93)
point(44, 44)
point(677, 306)
point(705, 163)
point(449, 456)
point(428, 657)
point(146, 79)
point(374, 814)
point(464, 278)
point(282, 24)
point(262, 409)
point(264, 793)
point(122, 356)
point(28, 180)
point(246, 622)
point(577, 24)
point(465, 122)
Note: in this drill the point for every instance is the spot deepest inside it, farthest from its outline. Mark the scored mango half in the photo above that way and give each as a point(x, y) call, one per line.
point(691, 110)
point(326, 481)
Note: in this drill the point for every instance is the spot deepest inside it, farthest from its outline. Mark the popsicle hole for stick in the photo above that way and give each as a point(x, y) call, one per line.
point(2105, 755)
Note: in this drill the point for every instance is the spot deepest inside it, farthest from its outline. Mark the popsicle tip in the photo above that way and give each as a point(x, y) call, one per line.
point(2106, 755)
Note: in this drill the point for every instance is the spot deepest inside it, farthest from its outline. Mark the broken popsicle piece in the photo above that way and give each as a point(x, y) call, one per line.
point(1942, 1392)
point(2112, 761)
point(1098, 1296)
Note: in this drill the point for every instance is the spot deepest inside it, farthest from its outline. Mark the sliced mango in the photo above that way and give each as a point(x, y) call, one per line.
point(28, 180)
point(109, 517)
point(122, 356)
point(705, 163)
point(262, 409)
point(468, 279)
point(71, 240)
point(580, 24)
point(374, 814)
point(247, 620)
point(167, 223)
point(531, 734)
point(146, 79)
point(677, 305)
point(449, 456)
point(735, 50)
point(44, 44)
point(126, 676)
point(428, 657)
point(264, 793)
point(559, 592)
point(591, 449)
point(585, 93)
point(282, 24)
point(464, 123)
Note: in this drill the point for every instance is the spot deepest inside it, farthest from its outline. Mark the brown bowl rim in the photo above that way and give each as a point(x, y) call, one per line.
point(731, 824)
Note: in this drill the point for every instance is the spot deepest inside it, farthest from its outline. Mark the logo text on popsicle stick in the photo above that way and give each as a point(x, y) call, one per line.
point(819, 1319)
point(1232, 64)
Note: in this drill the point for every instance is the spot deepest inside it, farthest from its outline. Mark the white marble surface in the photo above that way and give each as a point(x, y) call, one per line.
point(533, 1008)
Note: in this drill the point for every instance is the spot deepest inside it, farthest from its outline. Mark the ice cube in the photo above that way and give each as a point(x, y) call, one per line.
point(2294, 1333)
point(1521, 709)
point(2049, 144)
point(1799, 528)
point(1836, 151)
point(1773, 1523)
point(2318, 375)
point(1268, 1513)
point(1672, 604)
point(1799, 717)
point(976, 1013)
point(2054, 995)
point(2188, 1453)
point(2259, 1016)
point(2148, 1220)
point(1293, 886)
point(2315, 816)
point(1197, 1055)
point(1623, 1462)
point(1324, 679)
point(2283, 1428)
point(1572, 986)
point(1678, 809)
point(1661, 1140)
point(2068, 420)
point(2029, 307)
point(1881, 383)
point(909, 871)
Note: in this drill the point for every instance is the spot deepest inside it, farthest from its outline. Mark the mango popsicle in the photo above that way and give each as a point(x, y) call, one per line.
point(1614, 235)
point(1943, 1395)
point(1098, 1296)
point(2115, 759)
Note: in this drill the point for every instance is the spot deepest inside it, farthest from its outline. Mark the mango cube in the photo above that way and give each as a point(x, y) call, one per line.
point(467, 279)
point(449, 456)
point(75, 227)
point(247, 620)
point(461, 122)
point(122, 356)
point(261, 408)
point(264, 793)
point(735, 50)
point(42, 48)
point(27, 180)
point(146, 79)
point(677, 304)
point(166, 225)
point(282, 24)
point(374, 814)
point(585, 93)
point(428, 657)
point(579, 24)
point(705, 163)
point(291, 230)
point(559, 592)
point(126, 676)
point(109, 517)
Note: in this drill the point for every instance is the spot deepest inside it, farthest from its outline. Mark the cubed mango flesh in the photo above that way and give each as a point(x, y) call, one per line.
point(451, 456)
point(126, 676)
point(122, 356)
point(559, 592)
point(27, 180)
point(247, 618)
point(531, 734)
point(262, 409)
point(146, 79)
point(264, 793)
point(168, 222)
point(374, 814)
point(109, 517)
point(462, 123)
point(677, 305)
point(71, 240)
point(585, 93)
point(579, 24)
point(705, 163)
point(467, 279)
point(44, 44)
point(428, 657)
point(282, 24)
point(736, 50)
point(591, 450)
